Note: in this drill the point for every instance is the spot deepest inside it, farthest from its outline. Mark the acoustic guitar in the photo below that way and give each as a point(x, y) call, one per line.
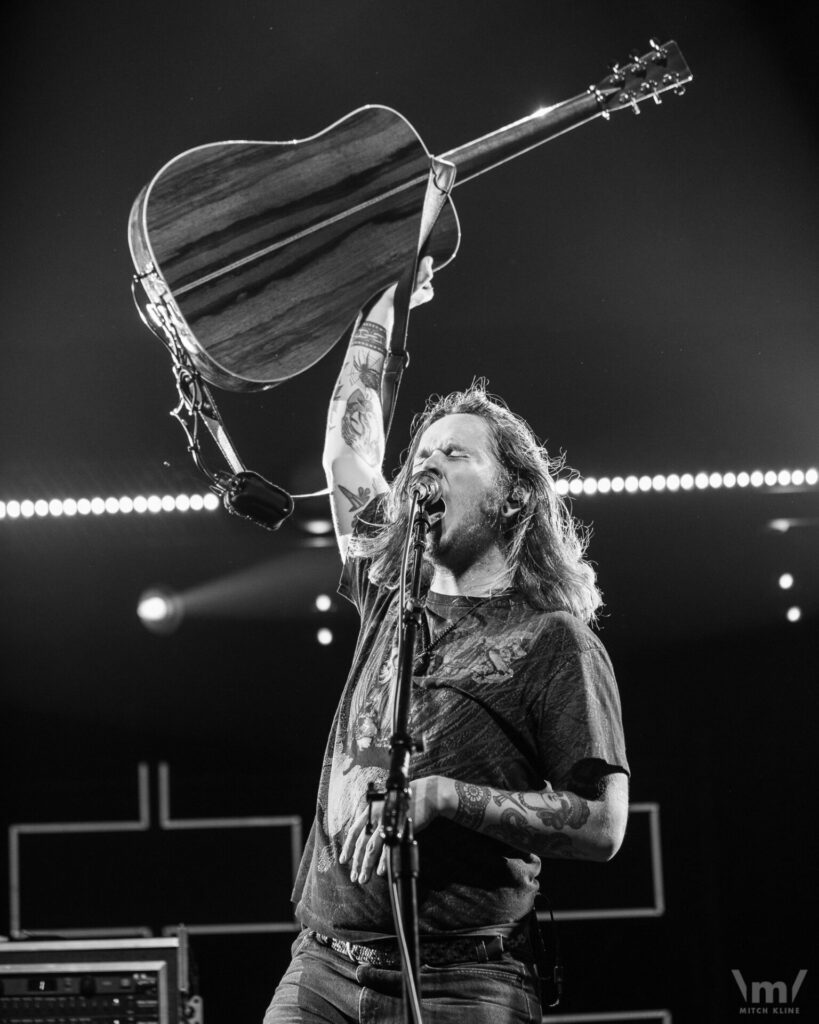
point(261, 254)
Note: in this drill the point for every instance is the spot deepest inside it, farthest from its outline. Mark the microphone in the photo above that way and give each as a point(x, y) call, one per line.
point(426, 487)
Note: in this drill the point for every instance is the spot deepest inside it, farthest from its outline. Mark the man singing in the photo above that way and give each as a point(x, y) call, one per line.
point(513, 698)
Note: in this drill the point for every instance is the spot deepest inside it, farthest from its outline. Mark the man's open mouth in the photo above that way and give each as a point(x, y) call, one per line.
point(436, 511)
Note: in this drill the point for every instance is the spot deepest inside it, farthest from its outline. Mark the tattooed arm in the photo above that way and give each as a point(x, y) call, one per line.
point(354, 440)
point(546, 822)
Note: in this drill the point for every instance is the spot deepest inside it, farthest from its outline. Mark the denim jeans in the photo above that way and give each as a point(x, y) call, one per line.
point(324, 987)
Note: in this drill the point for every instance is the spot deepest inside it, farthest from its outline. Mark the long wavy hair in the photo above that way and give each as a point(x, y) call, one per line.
point(544, 545)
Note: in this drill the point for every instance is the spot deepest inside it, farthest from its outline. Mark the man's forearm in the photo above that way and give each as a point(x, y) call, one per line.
point(354, 441)
point(354, 422)
point(545, 822)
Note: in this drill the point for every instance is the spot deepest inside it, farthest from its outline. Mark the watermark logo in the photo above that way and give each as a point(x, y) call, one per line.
point(769, 997)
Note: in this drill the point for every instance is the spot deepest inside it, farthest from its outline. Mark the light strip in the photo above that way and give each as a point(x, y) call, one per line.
point(154, 503)
point(755, 479)
point(141, 504)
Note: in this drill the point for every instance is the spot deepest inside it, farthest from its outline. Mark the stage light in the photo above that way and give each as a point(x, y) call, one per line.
point(160, 610)
point(324, 636)
point(644, 483)
point(658, 482)
point(793, 614)
point(811, 477)
point(757, 478)
point(687, 481)
point(562, 487)
point(317, 527)
point(111, 506)
point(715, 480)
point(97, 506)
point(632, 483)
point(729, 480)
point(324, 602)
point(590, 485)
point(672, 482)
point(576, 486)
point(786, 581)
point(783, 477)
point(771, 477)
point(743, 479)
point(618, 484)
point(41, 508)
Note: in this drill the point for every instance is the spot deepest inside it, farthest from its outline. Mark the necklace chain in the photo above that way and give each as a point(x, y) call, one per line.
point(429, 647)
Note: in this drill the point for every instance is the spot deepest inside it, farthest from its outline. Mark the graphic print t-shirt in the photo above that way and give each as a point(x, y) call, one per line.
point(511, 698)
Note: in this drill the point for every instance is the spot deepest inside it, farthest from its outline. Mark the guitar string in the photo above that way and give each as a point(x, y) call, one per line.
point(261, 253)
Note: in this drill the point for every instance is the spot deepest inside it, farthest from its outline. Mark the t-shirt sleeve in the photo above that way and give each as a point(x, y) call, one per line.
point(581, 724)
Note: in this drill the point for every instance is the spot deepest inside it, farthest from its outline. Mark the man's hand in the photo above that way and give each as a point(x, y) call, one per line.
point(363, 851)
point(381, 312)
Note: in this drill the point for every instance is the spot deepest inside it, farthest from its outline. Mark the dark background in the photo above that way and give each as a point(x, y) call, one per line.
point(642, 291)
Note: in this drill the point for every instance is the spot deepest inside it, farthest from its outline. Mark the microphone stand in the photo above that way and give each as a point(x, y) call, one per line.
point(397, 830)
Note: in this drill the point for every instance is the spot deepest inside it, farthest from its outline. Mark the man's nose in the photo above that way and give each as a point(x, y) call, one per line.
point(432, 463)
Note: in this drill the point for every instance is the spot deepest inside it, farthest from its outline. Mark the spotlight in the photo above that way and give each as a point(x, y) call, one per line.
point(324, 636)
point(160, 610)
point(324, 602)
point(786, 581)
point(794, 614)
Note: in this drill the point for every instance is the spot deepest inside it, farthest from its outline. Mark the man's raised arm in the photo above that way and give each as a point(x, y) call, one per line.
point(354, 442)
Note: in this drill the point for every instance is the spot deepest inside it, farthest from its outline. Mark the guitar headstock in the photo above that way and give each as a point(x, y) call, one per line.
point(643, 78)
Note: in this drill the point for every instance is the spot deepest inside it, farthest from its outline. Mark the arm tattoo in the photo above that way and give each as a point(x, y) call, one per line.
point(472, 803)
point(372, 336)
point(356, 501)
point(529, 821)
point(361, 426)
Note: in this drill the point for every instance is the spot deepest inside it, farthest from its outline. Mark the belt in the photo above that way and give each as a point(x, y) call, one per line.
point(434, 952)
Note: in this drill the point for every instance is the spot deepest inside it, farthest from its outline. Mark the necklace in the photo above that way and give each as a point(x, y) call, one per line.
point(430, 644)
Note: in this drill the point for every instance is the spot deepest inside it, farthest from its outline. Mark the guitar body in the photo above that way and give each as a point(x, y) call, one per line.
point(266, 251)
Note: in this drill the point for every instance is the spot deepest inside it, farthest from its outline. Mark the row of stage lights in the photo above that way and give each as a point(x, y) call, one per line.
point(155, 503)
point(142, 504)
point(689, 482)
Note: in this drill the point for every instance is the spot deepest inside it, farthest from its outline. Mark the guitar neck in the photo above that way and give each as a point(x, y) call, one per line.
point(662, 69)
point(483, 154)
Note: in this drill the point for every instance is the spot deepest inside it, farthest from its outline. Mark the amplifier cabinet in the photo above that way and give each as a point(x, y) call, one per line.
point(113, 981)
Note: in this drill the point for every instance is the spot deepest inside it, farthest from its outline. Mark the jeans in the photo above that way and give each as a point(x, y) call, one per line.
point(324, 987)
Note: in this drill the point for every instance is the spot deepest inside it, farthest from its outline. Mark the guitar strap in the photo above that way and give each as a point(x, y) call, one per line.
point(243, 492)
point(439, 186)
point(397, 359)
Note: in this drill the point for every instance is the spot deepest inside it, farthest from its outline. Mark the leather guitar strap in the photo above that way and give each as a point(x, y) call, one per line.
point(397, 359)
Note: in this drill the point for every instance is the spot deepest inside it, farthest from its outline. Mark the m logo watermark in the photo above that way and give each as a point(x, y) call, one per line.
point(769, 996)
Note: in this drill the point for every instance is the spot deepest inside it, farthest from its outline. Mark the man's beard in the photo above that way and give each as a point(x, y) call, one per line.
point(478, 531)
